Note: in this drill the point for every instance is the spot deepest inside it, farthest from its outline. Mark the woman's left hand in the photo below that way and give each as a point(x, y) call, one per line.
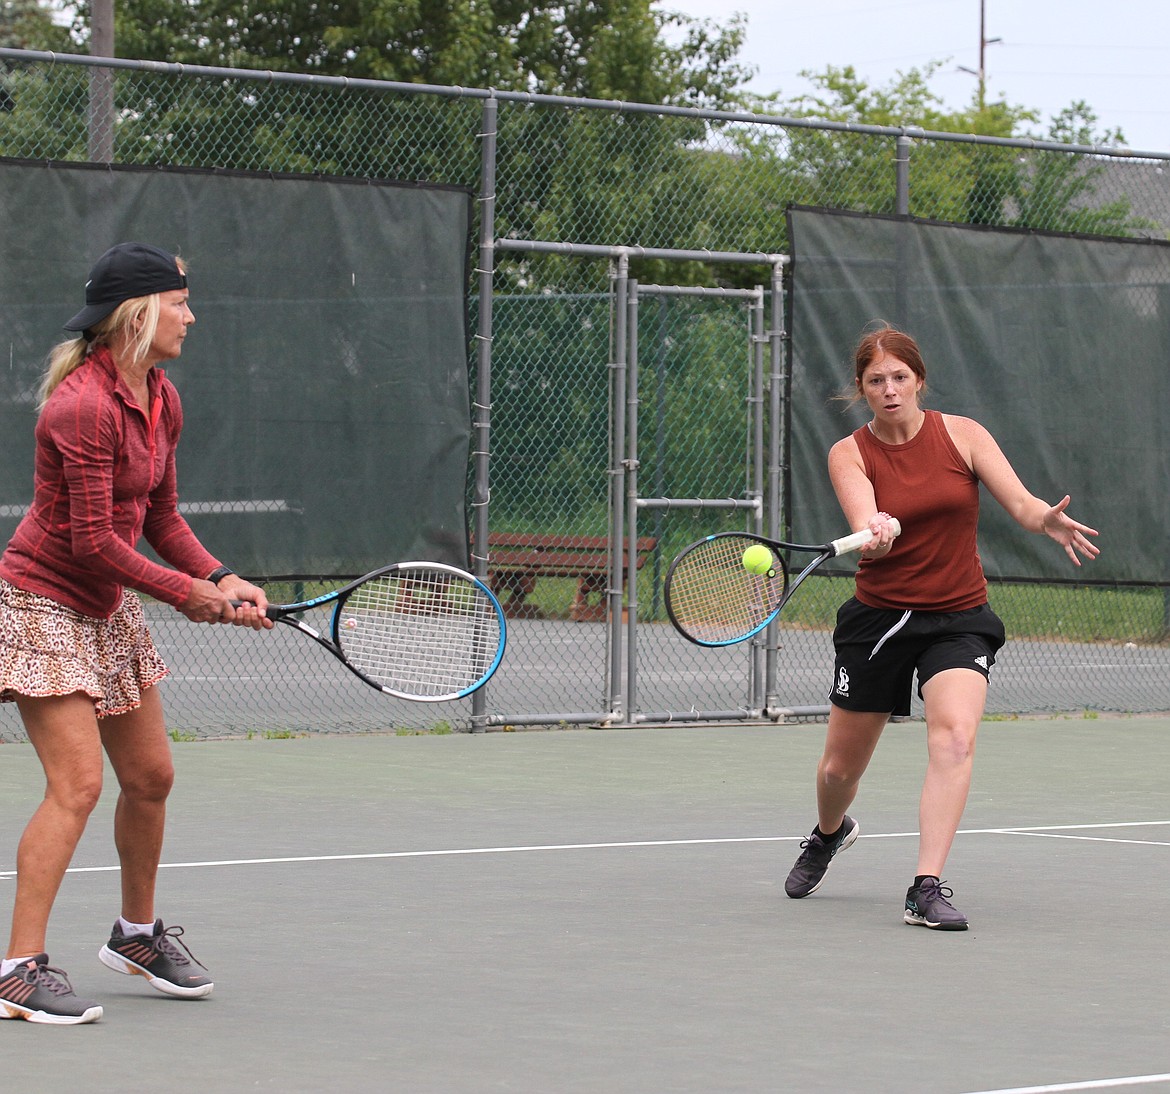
point(1069, 533)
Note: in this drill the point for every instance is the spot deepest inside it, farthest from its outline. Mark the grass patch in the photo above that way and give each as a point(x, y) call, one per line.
point(440, 729)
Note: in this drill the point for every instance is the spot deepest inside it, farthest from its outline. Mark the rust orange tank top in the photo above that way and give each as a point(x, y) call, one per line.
point(934, 564)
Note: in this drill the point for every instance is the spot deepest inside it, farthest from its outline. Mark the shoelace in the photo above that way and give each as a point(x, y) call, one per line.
point(813, 845)
point(941, 890)
point(52, 980)
point(164, 944)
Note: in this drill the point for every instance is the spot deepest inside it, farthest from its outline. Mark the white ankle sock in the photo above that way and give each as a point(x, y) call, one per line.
point(126, 927)
point(7, 964)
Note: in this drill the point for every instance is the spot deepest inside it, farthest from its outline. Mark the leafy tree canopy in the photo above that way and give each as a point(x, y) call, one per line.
point(601, 49)
point(840, 95)
point(589, 176)
point(28, 24)
point(977, 184)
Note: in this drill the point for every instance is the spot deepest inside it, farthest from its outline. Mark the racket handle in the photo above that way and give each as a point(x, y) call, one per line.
point(847, 544)
point(240, 603)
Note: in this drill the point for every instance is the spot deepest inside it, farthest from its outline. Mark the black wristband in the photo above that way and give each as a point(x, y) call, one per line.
point(218, 574)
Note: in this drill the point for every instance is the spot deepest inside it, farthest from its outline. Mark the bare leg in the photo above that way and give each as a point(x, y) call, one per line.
point(64, 732)
point(954, 700)
point(850, 741)
point(140, 754)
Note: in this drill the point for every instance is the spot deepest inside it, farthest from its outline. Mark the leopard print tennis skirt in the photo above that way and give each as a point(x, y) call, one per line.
point(48, 649)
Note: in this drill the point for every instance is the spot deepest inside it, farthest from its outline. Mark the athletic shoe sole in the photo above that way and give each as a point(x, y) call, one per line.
point(13, 1010)
point(921, 921)
point(9, 1009)
point(119, 963)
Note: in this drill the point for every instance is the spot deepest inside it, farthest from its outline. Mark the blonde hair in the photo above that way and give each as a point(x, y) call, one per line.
point(133, 322)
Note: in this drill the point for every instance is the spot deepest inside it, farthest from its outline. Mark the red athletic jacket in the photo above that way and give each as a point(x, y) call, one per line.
point(105, 476)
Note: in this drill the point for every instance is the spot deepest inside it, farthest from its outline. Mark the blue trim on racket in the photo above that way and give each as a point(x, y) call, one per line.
point(423, 631)
point(713, 601)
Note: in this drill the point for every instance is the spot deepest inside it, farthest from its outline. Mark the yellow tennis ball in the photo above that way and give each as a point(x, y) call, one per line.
point(757, 559)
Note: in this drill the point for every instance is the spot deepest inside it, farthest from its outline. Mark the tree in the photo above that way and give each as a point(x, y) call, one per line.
point(951, 181)
point(1057, 191)
point(589, 48)
point(582, 175)
point(28, 24)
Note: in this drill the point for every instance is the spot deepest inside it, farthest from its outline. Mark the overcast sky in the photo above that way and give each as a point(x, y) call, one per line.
point(1113, 55)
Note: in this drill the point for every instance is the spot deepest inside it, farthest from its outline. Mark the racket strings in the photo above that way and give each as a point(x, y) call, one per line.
point(712, 598)
point(420, 633)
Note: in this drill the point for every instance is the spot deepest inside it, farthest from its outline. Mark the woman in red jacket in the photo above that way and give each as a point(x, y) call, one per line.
point(75, 652)
point(920, 606)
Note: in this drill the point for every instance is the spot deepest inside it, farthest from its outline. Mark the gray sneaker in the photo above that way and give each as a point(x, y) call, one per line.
point(37, 992)
point(928, 905)
point(155, 956)
point(806, 875)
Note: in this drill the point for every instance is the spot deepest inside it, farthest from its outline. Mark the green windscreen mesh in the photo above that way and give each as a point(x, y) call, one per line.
point(1059, 345)
point(324, 382)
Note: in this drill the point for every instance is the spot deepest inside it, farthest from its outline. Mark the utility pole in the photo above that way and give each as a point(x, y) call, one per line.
point(984, 42)
point(101, 83)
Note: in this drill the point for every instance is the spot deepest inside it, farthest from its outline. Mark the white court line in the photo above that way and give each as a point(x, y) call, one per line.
point(1068, 827)
point(1091, 839)
point(1092, 1084)
point(439, 853)
point(456, 851)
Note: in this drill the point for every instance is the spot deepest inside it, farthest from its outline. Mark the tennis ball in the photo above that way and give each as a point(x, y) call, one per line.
point(757, 559)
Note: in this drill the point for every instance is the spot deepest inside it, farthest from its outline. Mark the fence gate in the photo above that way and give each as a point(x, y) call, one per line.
point(696, 379)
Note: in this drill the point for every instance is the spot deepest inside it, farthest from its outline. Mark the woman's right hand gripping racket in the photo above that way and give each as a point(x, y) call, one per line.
point(728, 587)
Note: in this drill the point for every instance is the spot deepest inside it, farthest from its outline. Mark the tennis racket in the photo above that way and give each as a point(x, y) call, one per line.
point(713, 599)
point(422, 631)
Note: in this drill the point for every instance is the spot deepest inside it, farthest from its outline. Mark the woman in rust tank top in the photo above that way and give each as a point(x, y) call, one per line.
point(920, 606)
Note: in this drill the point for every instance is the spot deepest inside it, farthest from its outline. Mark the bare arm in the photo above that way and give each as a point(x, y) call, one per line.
point(855, 494)
point(985, 458)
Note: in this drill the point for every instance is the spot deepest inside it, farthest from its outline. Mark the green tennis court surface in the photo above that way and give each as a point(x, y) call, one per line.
point(585, 911)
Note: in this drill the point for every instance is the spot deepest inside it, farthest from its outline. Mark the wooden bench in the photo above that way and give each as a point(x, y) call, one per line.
point(517, 559)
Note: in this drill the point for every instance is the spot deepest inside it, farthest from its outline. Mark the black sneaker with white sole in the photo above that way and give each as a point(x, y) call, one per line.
point(929, 905)
point(155, 956)
point(816, 854)
point(37, 992)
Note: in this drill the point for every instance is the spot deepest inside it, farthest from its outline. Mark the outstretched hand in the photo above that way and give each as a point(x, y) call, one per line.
point(1070, 534)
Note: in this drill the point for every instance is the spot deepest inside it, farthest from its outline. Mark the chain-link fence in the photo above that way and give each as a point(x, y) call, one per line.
point(624, 195)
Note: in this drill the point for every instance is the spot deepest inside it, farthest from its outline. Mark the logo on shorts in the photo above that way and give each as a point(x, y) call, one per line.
point(981, 661)
point(842, 687)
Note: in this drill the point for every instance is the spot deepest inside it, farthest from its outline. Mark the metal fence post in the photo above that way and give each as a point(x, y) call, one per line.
point(902, 208)
point(902, 176)
point(617, 497)
point(757, 417)
point(631, 467)
point(481, 429)
point(778, 433)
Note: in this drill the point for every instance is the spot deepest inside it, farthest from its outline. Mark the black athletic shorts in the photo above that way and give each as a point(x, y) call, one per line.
point(879, 650)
